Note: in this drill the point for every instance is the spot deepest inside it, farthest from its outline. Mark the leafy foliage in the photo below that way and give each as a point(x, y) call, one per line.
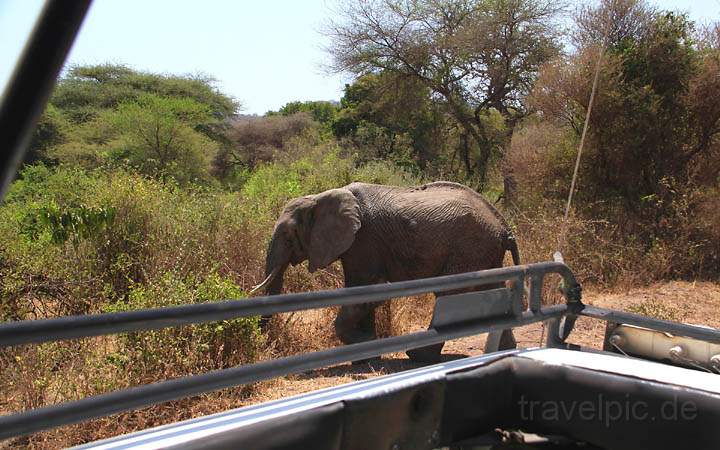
point(157, 136)
point(51, 130)
point(196, 347)
point(110, 115)
point(642, 124)
point(77, 223)
point(391, 117)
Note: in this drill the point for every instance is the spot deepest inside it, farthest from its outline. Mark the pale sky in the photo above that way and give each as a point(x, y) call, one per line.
point(264, 53)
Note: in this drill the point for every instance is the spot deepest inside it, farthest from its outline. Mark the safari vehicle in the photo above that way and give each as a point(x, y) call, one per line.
point(652, 386)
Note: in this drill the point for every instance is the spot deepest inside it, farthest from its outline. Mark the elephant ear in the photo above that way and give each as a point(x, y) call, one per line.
point(336, 219)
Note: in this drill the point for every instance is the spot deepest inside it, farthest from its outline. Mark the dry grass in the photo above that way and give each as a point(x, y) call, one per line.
point(653, 308)
point(404, 315)
point(599, 252)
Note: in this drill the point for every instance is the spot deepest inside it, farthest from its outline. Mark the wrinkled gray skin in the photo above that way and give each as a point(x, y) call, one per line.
point(386, 234)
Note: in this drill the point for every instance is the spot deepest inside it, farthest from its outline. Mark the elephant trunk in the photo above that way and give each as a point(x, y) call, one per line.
point(269, 279)
point(275, 284)
point(276, 262)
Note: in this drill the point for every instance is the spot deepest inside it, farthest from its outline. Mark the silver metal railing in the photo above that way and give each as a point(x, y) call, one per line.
point(455, 316)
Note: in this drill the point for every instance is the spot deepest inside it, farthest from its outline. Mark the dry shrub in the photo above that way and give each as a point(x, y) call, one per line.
point(270, 131)
point(591, 249)
point(301, 332)
point(707, 216)
point(674, 234)
point(404, 315)
point(536, 162)
point(650, 166)
point(165, 246)
point(133, 421)
point(258, 139)
point(305, 331)
point(603, 254)
point(46, 374)
point(695, 238)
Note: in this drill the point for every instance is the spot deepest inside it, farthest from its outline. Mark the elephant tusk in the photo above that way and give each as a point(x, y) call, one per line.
point(266, 281)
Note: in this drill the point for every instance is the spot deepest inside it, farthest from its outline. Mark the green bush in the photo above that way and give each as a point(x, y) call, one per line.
point(72, 241)
point(61, 225)
point(316, 169)
point(194, 347)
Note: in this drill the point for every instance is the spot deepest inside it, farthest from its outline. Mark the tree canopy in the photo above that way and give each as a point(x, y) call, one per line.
point(321, 111)
point(109, 115)
point(474, 56)
point(85, 90)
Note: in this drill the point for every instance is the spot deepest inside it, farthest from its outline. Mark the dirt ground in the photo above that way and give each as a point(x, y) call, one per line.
point(689, 302)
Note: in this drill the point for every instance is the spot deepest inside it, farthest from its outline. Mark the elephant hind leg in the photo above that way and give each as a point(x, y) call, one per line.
point(500, 340)
point(430, 353)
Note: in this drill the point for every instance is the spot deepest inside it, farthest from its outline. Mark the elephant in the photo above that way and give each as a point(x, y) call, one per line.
point(385, 234)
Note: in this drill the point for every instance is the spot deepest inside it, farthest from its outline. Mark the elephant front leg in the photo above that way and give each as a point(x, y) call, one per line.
point(356, 323)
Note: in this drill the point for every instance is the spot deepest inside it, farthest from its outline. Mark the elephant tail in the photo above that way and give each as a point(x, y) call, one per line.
point(511, 244)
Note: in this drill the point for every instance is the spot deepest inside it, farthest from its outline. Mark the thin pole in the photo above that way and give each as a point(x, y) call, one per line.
point(563, 229)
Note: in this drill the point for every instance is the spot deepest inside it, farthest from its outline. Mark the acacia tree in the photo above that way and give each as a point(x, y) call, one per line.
point(476, 56)
point(321, 111)
point(78, 116)
point(157, 135)
point(86, 91)
point(391, 117)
